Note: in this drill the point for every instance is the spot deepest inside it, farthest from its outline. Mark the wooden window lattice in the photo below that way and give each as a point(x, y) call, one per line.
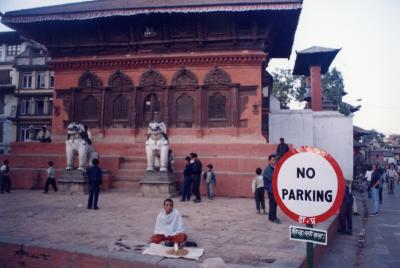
point(217, 107)
point(184, 111)
point(90, 108)
point(89, 80)
point(120, 108)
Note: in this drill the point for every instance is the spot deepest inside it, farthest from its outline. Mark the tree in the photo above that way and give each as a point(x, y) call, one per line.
point(285, 86)
point(288, 87)
point(333, 86)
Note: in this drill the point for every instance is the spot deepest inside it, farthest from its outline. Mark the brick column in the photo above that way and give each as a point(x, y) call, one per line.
point(316, 88)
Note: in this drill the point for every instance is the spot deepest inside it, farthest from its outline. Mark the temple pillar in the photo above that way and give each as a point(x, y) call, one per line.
point(316, 88)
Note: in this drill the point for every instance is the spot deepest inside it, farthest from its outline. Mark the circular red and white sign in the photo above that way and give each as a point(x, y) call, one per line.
point(308, 185)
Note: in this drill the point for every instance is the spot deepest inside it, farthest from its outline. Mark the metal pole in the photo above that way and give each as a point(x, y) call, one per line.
point(310, 251)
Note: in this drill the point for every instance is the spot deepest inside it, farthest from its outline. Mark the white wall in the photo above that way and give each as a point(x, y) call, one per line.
point(328, 130)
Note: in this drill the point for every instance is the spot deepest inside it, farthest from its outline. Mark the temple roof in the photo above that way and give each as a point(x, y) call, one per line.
point(360, 131)
point(11, 37)
point(284, 15)
point(312, 56)
point(107, 8)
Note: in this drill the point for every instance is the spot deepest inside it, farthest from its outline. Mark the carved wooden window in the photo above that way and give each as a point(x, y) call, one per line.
point(152, 78)
point(184, 78)
point(217, 76)
point(217, 107)
point(89, 80)
point(184, 111)
point(120, 108)
point(119, 80)
point(90, 108)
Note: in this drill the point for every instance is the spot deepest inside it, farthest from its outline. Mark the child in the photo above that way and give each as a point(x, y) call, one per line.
point(51, 178)
point(211, 181)
point(258, 191)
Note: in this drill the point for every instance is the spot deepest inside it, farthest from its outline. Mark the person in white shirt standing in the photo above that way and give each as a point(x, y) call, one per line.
point(258, 191)
point(51, 178)
point(5, 177)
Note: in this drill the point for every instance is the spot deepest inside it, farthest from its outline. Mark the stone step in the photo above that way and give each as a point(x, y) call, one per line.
point(128, 177)
point(130, 173)
point(133, 163)
point(40, 161)
point(123, 185)
point(141, 166)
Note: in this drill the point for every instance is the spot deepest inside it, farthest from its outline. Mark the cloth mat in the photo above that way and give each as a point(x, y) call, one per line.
point(161, 250)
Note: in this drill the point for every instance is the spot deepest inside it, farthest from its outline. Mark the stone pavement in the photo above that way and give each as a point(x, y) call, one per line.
point(226, 227)
point(381, 247)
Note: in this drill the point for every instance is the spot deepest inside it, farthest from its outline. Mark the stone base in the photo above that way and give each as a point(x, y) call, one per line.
point(159, 184)
point(73, 181)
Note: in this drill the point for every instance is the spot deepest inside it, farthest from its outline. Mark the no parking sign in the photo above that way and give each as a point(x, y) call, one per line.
point(308, 185)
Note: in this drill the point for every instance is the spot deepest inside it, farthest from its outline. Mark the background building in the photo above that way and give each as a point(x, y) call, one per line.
point(11, 44)
point(34, 90)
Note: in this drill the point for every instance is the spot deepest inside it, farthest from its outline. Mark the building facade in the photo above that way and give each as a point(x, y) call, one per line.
point(11, 44)
point(35, 83)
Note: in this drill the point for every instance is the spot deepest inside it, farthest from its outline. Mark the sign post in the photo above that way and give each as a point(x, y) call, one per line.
point(308, 186)
point(310, 251)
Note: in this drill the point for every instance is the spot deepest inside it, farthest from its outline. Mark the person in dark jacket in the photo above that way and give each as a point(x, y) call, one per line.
point(345, 213)
point(5, 177)
point(267, 177)
point(282, 149)
point(187, 180)
point(197, 168)
point(95, 178)
point(374, 188)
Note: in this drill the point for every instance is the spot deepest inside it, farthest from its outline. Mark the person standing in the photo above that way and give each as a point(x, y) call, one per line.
point(374, 188)
point(392, 177)
point(171, 161)
point(95, 178)
point(345, 213)
point(282, 149)
point(258, 190)
point(267, 178)
point(5, 177)
point(382, 178)
point(197, 169)
point(187, 180)
point(51, 178)
point(210, 180)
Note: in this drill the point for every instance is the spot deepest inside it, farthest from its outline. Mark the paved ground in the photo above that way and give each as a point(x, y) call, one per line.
point(382, 238)
point(228, 228)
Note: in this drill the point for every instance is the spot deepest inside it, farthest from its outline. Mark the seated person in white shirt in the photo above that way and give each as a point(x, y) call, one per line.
point(169, 226)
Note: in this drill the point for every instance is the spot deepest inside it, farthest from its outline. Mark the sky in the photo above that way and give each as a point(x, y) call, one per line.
point(367, 31)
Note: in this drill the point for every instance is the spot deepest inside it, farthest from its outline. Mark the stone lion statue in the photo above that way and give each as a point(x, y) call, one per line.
point(157, 146)
point(78, 141)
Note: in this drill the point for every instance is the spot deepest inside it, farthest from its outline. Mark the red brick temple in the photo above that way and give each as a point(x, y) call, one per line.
point(198, 66)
